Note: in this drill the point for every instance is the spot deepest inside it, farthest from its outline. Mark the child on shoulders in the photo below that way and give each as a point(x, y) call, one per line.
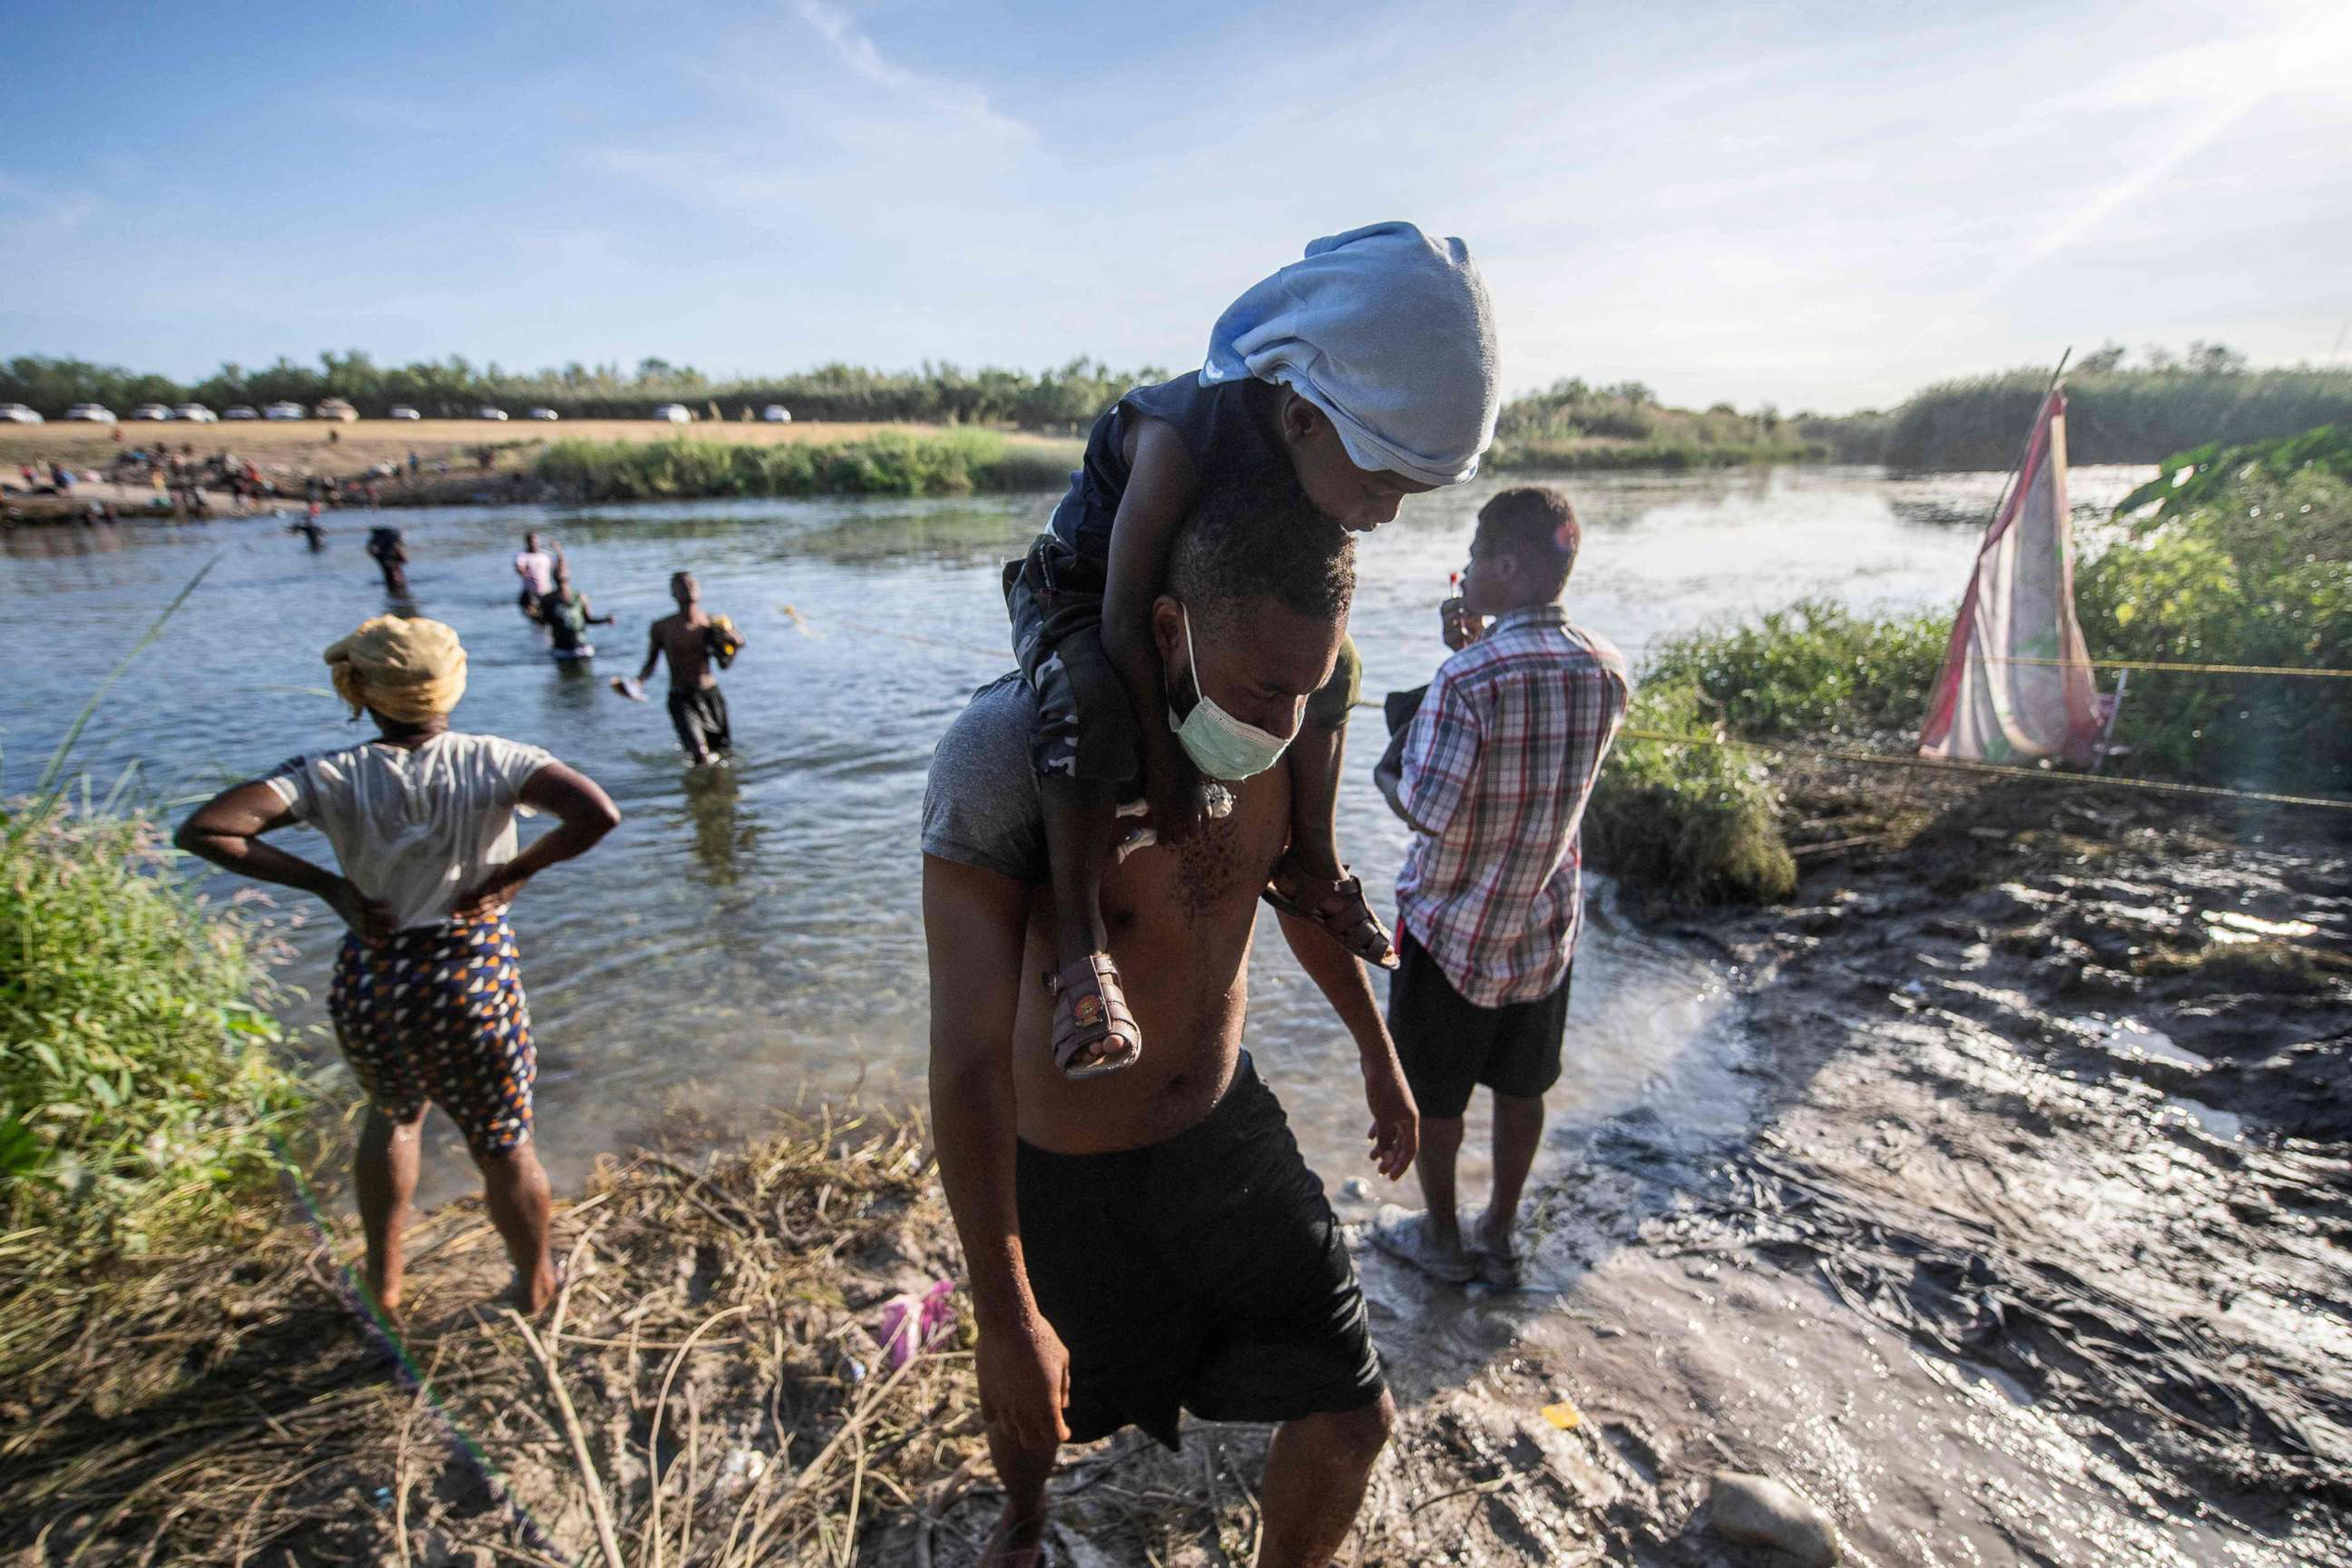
point(1364, 372)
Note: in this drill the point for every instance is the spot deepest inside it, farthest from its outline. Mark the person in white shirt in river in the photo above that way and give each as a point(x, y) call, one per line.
point(427, 998)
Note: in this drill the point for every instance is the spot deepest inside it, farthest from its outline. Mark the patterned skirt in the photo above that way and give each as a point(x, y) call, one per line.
point(438, 1015)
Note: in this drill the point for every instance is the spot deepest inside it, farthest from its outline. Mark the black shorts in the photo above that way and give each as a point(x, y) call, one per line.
point(1449, 1044)
point(700, 719)
point(1205, 1273)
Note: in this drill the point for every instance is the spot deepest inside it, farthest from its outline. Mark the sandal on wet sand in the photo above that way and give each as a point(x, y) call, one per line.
point(1504, 1270)
point(1094, 1032)
point(1404, 1234)
point(1339, 907)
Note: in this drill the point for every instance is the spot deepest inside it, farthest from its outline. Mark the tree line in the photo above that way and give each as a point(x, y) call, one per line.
point(1064, 398)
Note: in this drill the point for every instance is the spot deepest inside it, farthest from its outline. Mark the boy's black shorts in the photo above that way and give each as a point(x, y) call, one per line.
point(1206, 1273)
point(1449, 1044)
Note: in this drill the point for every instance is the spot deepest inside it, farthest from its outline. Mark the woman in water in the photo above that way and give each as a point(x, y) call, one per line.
point(427, 999)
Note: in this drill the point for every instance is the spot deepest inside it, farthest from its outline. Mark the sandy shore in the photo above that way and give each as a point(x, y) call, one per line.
point(2023, 1242)
point(448, 454)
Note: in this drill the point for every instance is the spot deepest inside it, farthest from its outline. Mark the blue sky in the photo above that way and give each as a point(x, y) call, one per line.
point(1821, 206)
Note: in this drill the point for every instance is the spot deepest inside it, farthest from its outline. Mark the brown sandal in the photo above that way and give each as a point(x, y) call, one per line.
point(1094, 1032)
point(1338, 907)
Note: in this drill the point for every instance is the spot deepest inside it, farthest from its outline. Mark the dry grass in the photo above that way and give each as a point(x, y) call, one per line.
point(705, 1391)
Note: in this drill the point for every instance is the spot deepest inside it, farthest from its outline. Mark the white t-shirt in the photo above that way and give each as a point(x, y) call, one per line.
point(414, 828)
point(537, 568)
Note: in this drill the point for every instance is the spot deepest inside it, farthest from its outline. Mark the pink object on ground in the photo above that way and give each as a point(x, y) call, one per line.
point(912, 1323)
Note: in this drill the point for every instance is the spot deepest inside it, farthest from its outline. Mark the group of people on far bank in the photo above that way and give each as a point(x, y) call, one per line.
point(1141, 1234)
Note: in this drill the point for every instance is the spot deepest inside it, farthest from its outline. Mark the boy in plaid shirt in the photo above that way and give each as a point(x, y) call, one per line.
point(1496, 766)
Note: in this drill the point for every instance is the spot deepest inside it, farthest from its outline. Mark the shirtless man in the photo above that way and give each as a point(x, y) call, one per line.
point(696, 707)
point(1153, 1240)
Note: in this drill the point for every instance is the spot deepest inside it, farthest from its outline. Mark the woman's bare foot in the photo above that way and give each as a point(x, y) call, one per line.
point(1017, 1542)
point(385, 1297)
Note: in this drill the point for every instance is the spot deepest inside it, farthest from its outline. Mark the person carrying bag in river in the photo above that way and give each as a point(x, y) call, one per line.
point(427, 998)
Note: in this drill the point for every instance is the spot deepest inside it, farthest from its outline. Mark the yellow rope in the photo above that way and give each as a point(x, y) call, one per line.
point(2160, 664)
point(1869, 759)
point(1999, 770)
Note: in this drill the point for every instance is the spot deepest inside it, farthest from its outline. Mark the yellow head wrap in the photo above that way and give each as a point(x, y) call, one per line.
point(410, 670)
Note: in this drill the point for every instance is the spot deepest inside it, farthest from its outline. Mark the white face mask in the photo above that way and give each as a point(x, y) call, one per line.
point(1221, 745)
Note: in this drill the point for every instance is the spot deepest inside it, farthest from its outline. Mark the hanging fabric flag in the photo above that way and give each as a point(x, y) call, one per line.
point(2016, 683)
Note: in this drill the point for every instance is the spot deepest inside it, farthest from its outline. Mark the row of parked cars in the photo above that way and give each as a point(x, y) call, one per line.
point(334, 408)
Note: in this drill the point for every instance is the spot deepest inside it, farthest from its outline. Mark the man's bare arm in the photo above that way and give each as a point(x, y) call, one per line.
point(652, 653)
point(974, 923)
point(1395, 1132)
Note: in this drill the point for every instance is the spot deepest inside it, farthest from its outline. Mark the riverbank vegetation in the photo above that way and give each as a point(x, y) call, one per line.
point(931, 463)
point(2234, 556)
point(2116, 413)
point(1573, 425)
point(138, 1092)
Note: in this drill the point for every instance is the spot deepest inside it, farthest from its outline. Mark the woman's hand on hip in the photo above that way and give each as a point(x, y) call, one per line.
point(370, 918)
point(486, 899)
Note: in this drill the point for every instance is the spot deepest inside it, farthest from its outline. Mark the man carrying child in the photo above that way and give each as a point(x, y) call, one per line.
point(1496, 767)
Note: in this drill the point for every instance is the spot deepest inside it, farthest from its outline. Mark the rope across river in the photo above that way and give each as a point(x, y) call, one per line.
point(1836, 754)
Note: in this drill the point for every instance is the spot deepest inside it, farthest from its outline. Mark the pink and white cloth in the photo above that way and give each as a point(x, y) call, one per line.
point(2016, 683)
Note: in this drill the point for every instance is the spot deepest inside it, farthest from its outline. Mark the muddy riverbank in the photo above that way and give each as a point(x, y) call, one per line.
point(2029, 1247)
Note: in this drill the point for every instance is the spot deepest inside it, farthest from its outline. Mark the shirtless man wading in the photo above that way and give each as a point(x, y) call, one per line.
point(1152, 1239)
point(697, 709)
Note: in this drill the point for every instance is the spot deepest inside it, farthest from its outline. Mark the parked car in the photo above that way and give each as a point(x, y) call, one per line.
point(285, 411)
point(498, 413)
point(776, 413)
point(159, 412)
point(335, 408)
point(238, 411)
point(92, 414)
point(402, 411)
point(195, 413)
point(675, 413)
point(545, 414)
point(17, 414)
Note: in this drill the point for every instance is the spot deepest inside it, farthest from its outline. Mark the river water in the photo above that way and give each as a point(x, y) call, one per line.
point(751, 939)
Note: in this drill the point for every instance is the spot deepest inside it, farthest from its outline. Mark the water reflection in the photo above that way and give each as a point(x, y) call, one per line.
point(722, 835)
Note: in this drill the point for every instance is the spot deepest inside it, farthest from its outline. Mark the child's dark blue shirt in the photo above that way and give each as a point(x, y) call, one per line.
point(1228, 428)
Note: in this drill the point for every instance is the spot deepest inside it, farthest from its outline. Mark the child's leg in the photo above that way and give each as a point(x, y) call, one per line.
point(1078, 814)
point(1315, 762)
point(1084, 748)
point(1312, 881)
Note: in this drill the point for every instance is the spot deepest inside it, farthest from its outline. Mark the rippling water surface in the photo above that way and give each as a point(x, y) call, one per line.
point(751, 938)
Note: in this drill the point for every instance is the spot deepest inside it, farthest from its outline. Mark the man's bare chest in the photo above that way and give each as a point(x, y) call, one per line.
point(1211, 879)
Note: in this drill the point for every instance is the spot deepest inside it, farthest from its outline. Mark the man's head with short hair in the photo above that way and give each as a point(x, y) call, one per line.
point(531, 543)
point(684, 589)
point(1523, 550)
point(1264, 582)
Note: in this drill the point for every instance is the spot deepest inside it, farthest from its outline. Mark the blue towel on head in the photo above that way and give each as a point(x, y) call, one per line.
point(1389, 332)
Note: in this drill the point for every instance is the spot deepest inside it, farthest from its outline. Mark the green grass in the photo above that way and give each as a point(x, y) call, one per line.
point(2247, 559)
point(137, 1088)
point(947, 463)
point(1689, 823)
point(1814, 668)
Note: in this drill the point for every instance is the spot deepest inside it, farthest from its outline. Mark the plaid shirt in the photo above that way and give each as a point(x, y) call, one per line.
point(1498, 763)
